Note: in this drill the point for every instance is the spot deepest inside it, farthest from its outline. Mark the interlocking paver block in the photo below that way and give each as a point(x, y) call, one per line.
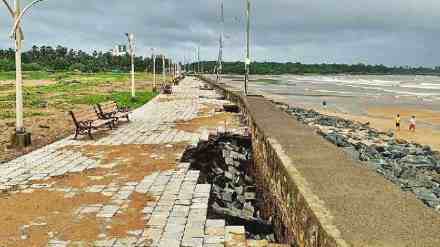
point(108, 211)
point(215, 227)
point(177, 214)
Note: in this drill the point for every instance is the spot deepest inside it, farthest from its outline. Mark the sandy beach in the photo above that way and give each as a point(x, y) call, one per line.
point(382, 119)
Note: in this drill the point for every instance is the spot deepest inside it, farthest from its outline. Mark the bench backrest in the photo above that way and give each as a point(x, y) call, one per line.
point(108, 107)
point(82, 116)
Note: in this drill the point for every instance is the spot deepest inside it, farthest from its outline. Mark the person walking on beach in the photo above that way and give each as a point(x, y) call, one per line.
point(398, 122)
point(412, 124)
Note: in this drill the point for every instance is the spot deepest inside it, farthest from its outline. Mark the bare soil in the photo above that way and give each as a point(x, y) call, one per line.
point(221, 119)
point(131, 218)
point(52, 210)
point(45, 130)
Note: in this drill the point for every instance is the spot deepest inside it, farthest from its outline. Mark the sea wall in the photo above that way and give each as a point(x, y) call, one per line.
point(316, 195)
point(295, 221)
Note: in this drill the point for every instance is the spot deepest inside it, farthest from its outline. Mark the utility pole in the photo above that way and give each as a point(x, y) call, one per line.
point(131, 44)
point(198, 59)
point(21, 138)
point(195, 62)
point(184, 63)
point(154, 70)
point(169, 69)
point(247, 61)
point(219, 69)
point(163, 70)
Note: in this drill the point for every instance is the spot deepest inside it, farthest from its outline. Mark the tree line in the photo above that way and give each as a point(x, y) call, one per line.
point(274, 68)
point(63, 59)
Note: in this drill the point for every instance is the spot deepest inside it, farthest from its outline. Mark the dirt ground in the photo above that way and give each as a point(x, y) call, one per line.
point(42, 210)
point(207, 120)
point(44, 129)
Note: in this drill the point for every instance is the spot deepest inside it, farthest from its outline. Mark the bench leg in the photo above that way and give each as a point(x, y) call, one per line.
point(76, 134)
point(89, 132)
point(111, 125)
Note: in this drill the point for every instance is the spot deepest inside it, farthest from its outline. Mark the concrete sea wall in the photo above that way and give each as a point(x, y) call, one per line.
point(316, 195)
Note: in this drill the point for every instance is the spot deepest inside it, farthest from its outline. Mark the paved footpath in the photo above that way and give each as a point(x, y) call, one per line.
point(127, 188)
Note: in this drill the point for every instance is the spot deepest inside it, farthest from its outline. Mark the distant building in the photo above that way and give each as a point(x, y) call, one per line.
point(119, 50)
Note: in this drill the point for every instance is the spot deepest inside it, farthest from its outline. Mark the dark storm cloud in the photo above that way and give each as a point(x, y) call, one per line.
point(392, 32)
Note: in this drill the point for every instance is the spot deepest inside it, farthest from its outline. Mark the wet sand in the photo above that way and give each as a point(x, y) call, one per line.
point(383, 119)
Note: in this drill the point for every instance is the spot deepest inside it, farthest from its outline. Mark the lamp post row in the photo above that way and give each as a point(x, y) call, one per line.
point(21, 137)
point(17, 14)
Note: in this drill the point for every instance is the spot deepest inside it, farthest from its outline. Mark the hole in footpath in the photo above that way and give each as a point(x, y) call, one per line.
point(224, 161)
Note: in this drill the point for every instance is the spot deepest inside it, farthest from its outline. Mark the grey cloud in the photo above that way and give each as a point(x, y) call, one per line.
point(392, 32)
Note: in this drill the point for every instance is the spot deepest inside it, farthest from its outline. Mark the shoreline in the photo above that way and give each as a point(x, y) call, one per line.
point(424, 135)
point(412, 166)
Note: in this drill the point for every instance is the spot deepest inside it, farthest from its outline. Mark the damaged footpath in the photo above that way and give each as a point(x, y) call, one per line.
point(224, 161)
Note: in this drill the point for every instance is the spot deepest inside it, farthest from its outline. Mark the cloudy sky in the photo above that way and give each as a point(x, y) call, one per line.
point(391, 32)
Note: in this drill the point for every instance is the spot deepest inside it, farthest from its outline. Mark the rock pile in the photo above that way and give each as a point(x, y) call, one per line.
point(224, 161)
point(413, 167)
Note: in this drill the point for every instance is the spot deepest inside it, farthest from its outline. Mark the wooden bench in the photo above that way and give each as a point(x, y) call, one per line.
point(111, 110)
point(166, 89)
point(86, 121)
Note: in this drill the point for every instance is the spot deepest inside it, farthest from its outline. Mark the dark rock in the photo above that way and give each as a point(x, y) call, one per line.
point(410, 165)
point(231, 108)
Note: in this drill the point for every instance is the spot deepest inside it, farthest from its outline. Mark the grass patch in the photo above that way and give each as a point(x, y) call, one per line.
point(7, 114)
point(123, 99)
point(266, 81)
point(71, 76)
point(28, 75)
point(74, 88)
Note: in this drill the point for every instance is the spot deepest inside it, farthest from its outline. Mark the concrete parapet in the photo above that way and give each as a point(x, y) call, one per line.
point(318, 196)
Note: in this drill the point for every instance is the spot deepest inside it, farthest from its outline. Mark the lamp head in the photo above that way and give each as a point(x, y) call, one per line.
point(130, 36)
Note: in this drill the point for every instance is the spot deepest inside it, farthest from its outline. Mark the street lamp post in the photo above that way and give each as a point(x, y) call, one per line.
point(198, 59)
point(18, 75)
point(248, 55)
point(170, 69)
point(163, 70)
point(195, 62)
point(154, 70)
point(20, 138)
point(220, 52)
point(131, 44)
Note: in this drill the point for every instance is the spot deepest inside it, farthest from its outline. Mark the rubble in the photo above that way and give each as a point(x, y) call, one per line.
point(224, 161)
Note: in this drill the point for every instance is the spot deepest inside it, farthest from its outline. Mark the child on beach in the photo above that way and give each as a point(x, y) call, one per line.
point(412, 124)
point(398, 122)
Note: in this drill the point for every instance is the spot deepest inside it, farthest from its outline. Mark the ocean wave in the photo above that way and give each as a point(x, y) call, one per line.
point(423, 85)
